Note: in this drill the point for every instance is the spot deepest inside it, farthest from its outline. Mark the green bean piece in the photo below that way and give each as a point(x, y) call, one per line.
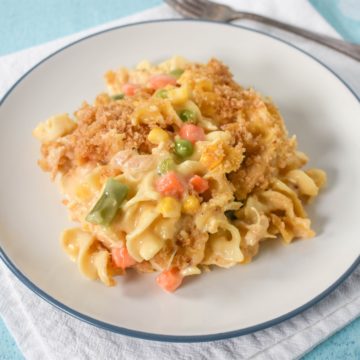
point(187, 116)
point(165, 166)
point(176, 72)
point(162, 93)
point(117, 96)
point(109, 203)
point(183, 148)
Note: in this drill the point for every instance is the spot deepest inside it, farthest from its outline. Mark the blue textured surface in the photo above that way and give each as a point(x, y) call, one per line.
point(26, 23)
point(8, 348)
point(344, 345)
point(343, 15)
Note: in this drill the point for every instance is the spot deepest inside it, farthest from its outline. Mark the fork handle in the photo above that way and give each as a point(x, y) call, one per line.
point(352, 50)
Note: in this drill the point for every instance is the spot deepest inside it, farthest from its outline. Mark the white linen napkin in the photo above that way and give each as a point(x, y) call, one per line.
point(44, 332)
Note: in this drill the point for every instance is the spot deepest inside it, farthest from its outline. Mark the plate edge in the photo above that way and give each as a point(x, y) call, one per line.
point(159, 337)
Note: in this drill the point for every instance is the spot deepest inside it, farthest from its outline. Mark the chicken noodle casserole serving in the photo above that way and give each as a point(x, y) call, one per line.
point(175, 169)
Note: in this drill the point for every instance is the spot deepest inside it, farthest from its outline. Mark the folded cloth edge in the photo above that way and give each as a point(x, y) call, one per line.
point(12, 62)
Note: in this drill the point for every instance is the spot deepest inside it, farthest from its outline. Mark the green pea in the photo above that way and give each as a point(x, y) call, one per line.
point(176, 72)
point(187, 116)
point(183, 148)
point(117, 96)
point(109, 203)
point(166, 166)
point(162, 93)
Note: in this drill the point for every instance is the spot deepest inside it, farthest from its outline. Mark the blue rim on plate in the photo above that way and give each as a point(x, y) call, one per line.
point(159, 337)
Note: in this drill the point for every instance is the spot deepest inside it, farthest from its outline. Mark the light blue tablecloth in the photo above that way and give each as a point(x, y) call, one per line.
point(25, 23)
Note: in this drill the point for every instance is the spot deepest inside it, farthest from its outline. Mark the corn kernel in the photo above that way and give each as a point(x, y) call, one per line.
point(83, 192)
point(179, 95)
point(157, 136)
point(110, 77)
point(169, 207)
point(86, 227)
point(94, 180)
point(212, 156)
point(191, 205)
point(204, 84)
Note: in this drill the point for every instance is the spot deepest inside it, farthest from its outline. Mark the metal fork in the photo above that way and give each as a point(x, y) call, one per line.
point(209, 10)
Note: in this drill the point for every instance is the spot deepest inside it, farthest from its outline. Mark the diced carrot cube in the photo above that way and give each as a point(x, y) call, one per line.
point(160, 81)
point(170, 280)
point(122, 258)
point(192, 133)
point(199, 184)
point(170, 184)
point(129, 89)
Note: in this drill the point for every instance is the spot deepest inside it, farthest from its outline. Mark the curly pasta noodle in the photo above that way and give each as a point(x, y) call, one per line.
point(176, 168)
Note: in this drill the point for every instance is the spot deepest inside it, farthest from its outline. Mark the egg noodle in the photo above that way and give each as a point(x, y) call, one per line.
point(175, 169)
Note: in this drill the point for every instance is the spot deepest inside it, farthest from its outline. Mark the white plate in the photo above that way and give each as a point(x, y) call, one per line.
point(281, 282)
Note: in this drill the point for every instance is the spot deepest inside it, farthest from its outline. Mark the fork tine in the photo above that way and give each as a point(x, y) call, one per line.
point(174, 4)
point(200, 3)
point(206, 5)
point(211, 4)
point(196, 7)
point(183, 9)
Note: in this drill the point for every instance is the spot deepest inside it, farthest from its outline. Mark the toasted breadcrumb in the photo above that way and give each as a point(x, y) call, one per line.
point(106, 127)
point(244, 153)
